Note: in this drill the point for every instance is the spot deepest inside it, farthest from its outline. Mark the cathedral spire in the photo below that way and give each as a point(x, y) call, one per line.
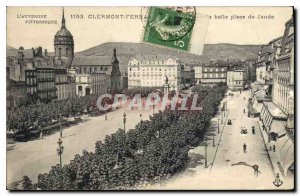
point(63, 21)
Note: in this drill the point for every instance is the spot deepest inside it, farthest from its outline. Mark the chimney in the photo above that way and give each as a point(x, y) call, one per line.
point(45, 53)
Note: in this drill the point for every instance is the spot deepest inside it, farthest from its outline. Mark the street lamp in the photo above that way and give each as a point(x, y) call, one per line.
point(205, 160)
point(60, 150)
point(153, 106)
point(213, 137)
point(222, 115)
point(124, 120)
point(218, 125)
point(60, 126)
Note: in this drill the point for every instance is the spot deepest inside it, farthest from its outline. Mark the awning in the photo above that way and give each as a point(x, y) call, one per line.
point(286, 152)
point(281, 133)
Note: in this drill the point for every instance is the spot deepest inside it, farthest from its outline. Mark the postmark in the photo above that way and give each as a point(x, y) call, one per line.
point(170, 27)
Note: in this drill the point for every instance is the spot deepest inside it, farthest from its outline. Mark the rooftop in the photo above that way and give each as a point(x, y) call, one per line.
point(275, 111)
point(261, 95)
point(154, 57)
point(91, 61)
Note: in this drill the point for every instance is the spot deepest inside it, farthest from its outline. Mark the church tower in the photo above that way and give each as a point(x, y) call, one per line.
point(64, 43)
point(115, 74)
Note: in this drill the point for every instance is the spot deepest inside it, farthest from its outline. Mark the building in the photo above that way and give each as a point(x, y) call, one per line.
point(31, 85)
point(40, 82)
point(281, 130)
point(284, 72)
point(46, 90)
point(64, 44)
point(91, 83)
point(214, 73)
point(152, 71)
point(64, 83)
point(251, 70)
point(94, 74)
point(258, 98)
point(264, 58)
point(15, 92)
point(18, 61)
point(188, 74)
point(198, 73)
point(236, 77)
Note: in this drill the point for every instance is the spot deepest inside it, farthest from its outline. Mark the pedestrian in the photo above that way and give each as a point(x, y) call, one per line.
point(244, 110)
point(256, 171)
point(105, 117)
point(270, 148)
point(253, 130)
point(245, 148)
point(274, 148)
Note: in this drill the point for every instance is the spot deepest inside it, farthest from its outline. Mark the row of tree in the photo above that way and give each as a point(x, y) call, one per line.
point(152, 152)
point(25, 118)
point(144, 91)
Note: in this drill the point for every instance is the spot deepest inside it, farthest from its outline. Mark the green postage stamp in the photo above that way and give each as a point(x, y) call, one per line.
point(170, 28)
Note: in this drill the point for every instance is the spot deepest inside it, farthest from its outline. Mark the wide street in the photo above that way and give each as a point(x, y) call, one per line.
point(220, 173)
point(34, 157)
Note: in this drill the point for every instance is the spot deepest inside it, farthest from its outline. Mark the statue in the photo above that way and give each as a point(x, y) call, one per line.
point(33, 52)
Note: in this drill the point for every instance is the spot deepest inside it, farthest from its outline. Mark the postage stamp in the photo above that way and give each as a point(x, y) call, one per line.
point(169, 27)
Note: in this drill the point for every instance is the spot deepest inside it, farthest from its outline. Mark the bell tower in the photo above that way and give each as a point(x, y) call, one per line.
point(63, 42)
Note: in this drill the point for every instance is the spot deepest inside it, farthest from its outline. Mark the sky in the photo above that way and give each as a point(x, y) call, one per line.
point(89, 32)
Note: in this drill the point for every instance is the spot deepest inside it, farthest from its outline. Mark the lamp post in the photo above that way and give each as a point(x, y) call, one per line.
point(60, 126)
point(153, 106)
point(213, 137)
point(124, 120)
point(222, 115)
point(218, 125)
point(60, 151)
point(205, 145)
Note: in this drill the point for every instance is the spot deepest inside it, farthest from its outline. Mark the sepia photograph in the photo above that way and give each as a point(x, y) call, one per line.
point(150, 98)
